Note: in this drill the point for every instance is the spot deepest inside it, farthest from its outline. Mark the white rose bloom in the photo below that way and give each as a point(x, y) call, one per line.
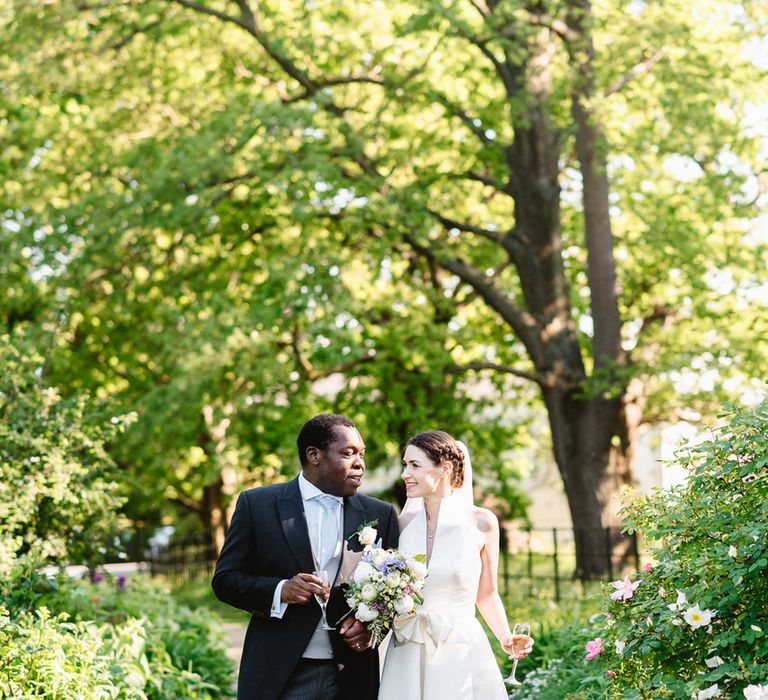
point(419, 570)
point(393, 579)
point(696, 617)
point(368, 592)
point(379, 555)
point(733, 552)
point(756, 692)
point(404, 605)
point(619, 646)
point(367, 536)
point(712, 692)
point(714, 662)
point(365, 613)
point(363, 572)
point(681, 601)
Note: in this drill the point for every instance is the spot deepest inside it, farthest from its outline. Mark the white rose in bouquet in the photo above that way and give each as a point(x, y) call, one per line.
point(419, 569)
point(365, 613)
point(363, 572)
point(368, 592)
point(379, 556)
point(404, 605)
point(393, 579)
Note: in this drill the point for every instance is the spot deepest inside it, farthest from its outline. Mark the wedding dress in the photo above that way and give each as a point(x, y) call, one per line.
point(440, 652)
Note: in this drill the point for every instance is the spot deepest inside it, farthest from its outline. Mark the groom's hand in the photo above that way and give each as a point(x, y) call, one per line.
point(301, 588)
point(355, 633)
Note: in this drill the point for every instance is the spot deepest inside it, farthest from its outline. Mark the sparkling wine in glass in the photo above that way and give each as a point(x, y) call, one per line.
point(322, 600)
point(521, 635)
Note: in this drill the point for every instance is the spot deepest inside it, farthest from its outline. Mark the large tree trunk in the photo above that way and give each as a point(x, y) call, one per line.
point(594, 462)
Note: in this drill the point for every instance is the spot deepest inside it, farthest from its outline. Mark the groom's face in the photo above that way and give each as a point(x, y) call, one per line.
point(338, 469)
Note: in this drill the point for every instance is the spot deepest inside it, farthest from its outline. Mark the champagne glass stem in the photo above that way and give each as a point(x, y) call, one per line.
point(511, 680)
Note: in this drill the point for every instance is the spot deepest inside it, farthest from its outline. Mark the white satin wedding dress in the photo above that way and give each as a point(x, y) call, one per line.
point(440, 652)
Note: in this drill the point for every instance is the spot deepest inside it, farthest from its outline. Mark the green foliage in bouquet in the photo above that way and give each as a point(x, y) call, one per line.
point(697, 624)
point(58, 496)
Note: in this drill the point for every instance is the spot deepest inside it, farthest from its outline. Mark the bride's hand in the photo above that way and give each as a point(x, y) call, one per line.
point(506, 642)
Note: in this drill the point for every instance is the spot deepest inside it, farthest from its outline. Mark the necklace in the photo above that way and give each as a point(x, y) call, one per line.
point(430, 535)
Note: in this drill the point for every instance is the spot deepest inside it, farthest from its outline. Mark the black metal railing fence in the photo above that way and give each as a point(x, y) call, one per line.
point(533, 561)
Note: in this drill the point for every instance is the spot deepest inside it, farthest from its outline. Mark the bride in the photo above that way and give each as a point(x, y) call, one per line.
point(441, 651)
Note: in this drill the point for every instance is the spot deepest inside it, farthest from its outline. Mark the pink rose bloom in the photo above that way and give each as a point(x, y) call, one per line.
point(593, 647)
point(610, 674)
point(624, 588)
point(648, 568)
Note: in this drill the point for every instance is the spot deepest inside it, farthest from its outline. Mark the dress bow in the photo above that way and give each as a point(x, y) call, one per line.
point(423, 627)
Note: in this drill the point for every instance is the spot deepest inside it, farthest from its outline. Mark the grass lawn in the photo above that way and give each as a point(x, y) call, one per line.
point(197, 594)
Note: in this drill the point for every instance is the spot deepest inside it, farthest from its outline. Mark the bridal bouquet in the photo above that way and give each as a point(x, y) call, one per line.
point(385, 583)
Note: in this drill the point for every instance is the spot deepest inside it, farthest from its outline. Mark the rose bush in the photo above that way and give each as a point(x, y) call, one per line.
point(694, 622)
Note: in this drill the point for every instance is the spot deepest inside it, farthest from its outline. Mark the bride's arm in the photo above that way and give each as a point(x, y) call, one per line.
point(488, 600)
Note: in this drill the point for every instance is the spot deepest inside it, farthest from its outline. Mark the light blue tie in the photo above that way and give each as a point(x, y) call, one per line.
point(328, 536)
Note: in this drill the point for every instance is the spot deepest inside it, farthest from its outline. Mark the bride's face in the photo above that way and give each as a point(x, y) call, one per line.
point(421, 475)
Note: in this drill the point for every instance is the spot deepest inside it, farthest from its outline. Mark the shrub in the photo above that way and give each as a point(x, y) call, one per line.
point(697, 624)
point(116, 640)
point(58, 497)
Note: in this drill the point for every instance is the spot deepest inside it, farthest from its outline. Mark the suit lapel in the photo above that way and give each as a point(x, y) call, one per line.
point(353, 519)
point(294, 523)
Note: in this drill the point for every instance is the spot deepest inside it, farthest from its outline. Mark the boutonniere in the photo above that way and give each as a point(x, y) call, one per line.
point(366, 533)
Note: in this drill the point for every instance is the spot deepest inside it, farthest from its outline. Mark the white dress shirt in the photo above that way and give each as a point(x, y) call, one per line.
point(313, 512)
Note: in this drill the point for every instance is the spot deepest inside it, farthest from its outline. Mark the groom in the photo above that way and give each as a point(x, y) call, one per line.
point(266, 565)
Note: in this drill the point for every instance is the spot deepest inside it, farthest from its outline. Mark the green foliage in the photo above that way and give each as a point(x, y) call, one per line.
point(556, 668)
point(58, 494)
point(112, 639)
point(51, 656)
point(202, 238)
point(698, 618)
point(714, 551)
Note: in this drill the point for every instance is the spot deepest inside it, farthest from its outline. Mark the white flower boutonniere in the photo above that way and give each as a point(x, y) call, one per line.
point(366, 533)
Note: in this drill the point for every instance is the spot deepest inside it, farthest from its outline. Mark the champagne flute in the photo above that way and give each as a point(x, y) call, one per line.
point(521, 635)
point(322, 600)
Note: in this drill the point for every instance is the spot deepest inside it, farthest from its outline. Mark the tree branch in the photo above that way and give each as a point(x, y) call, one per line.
point(494, 236)
point(479, 177)
point(479, 366)
point(310, 373)
point(370, 78)
point(556, 26)
point(635, 72)
point(203, 9)
point(143, 29)
point(457, 111)
point(524, 324)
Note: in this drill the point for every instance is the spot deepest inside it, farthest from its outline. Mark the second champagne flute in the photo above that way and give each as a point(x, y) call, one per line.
point(322, 600)
point(521, 635)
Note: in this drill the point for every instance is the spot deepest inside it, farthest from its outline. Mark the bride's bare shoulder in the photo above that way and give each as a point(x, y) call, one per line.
point(485, 520)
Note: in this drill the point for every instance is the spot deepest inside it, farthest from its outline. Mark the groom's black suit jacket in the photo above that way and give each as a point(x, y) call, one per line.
point(268, 541)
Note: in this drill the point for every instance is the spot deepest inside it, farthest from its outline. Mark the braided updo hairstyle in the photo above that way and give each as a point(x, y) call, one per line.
point(441, 447)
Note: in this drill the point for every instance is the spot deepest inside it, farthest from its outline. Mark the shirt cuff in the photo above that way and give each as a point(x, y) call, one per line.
point(278, 607)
